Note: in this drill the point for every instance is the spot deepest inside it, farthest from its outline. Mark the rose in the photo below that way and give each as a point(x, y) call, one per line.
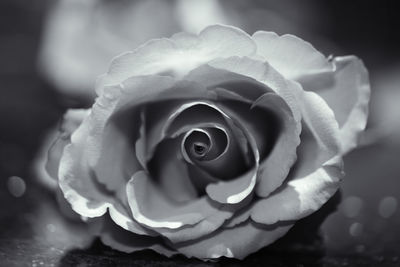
point(211, 145)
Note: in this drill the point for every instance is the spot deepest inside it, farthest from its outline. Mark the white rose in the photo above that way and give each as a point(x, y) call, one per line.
point(211, 145)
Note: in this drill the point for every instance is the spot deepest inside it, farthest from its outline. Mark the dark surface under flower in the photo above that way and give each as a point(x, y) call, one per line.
point(212, 145)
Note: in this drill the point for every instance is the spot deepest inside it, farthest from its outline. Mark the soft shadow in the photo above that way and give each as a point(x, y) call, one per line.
point(100, 255)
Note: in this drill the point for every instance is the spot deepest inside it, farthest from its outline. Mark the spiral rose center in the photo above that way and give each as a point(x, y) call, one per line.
point(204, 144)
point(200, 149)
point(197, 144)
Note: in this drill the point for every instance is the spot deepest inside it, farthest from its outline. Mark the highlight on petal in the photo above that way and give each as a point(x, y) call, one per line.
point(291, 56)
point(205, 227)
point(321, 121)
point(78, 187)
point(178, 55)
point(348, 96)
point(236, 242)
point(152, 208)
point(75, 175)
point(235, 191)
point(238, 189)
point(300, 196)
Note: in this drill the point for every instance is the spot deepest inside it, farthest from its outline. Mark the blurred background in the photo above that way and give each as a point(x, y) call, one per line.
point(52, 52)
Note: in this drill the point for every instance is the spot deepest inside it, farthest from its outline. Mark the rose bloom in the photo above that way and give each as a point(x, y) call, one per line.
point(211, 145)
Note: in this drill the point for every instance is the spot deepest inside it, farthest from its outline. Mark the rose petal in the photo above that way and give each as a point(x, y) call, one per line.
point(178, 55)
point(121, 217)
point(71, 121)
point(291, 56)
point(140, 144)
point(238, 189)
point(240, 217)
point(322, 123)
point(212, 78)
point(113, 129)
point(275, 168)
point(193, 113)
point(82, 192)
point(75, 180)
point(122, 240)
point(237, 242)
point(208, 225)
point(348, 97)
point(265, 74)
point(168, 170)
point(261, 123)
point(152, 208)
point(80, 186)
point(177, 184)
point(233, 191)
point(300, 196)
point(117, 159)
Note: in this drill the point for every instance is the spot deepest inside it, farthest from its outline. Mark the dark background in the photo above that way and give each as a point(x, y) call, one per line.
point(364, 230)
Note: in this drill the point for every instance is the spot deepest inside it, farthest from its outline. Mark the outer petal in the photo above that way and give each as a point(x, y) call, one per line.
point(71, 121)
point(321, 121)
point(89, 196)
point(101, 139)
point(84, 193)
point(300, 196)
point(312, 185)
point(290, 55)
point(343, 83)
point(180, 54)
point(122, 240)
point(348, 95)
point(237, 242)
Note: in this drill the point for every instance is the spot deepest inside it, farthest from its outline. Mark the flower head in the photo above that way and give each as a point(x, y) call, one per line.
point(214, 144)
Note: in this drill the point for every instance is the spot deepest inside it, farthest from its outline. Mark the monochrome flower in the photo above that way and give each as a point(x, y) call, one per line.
point(211, 145)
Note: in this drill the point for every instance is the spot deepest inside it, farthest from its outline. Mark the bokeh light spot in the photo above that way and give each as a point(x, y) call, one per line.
point(356, 229)
point(16, 186)
point(351, 206)
point(387, 206)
